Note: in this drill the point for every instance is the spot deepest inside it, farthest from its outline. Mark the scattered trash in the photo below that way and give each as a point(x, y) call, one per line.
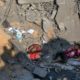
point(51, 51)
point(23, 32)
point(43, 41)
point(10, 29)
point(19, 35)
point(31, 31)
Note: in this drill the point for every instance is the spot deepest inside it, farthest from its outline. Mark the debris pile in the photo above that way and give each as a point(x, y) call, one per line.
point(52, 58)
point(36, 25)
point(32, 27)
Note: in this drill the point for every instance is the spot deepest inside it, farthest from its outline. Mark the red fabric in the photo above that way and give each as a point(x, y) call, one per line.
point(72, 52)
point(34, 56)
point(34, 51)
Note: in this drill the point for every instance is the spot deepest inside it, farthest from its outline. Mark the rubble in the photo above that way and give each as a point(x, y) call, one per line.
point(19, 35)
point(31, 31)
point(31, 22)
point(33, 13)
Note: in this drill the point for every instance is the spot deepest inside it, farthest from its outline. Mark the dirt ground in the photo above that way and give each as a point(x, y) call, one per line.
point(3, 42)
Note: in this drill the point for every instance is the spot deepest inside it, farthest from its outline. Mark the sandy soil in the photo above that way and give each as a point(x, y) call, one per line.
point(3, 42)
point(1, 3)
